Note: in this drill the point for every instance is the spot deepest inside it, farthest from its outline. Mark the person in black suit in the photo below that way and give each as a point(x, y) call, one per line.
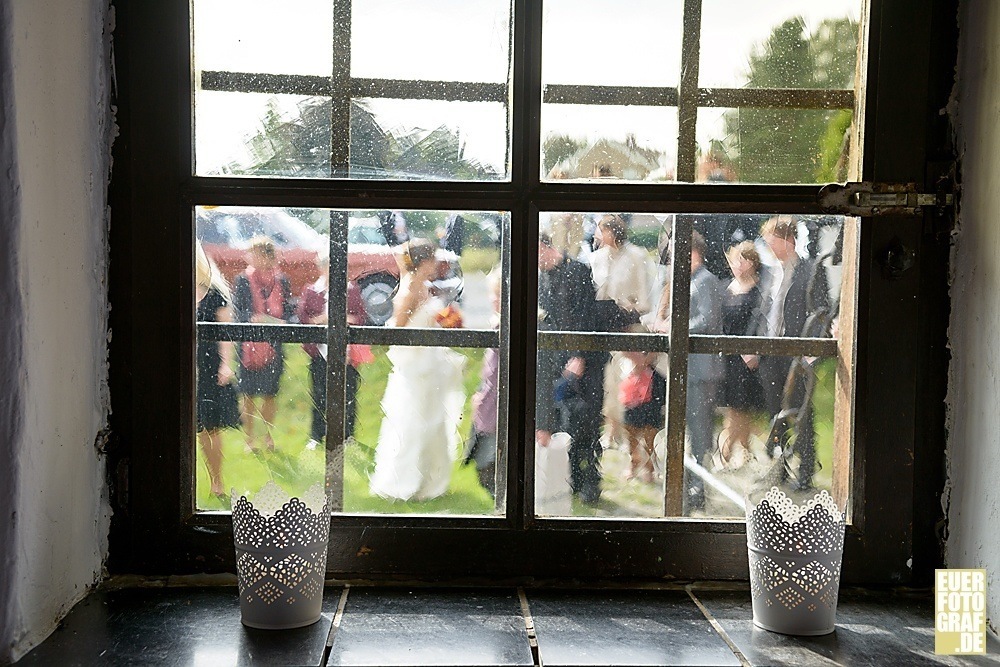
point(569, 385)
point(794, 294)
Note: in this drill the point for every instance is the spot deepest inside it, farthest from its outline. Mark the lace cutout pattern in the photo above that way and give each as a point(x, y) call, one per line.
point(281, 546)
point(795, 552)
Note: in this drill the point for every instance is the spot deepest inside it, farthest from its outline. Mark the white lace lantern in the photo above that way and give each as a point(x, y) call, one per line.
point(281, 556)
point(795, 551)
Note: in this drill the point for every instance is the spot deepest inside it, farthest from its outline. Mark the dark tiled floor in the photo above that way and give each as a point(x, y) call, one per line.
point(382, 626)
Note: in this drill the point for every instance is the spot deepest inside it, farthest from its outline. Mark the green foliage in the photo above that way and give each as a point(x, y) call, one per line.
point(792, 145)
point(301, 147)
point(481, 260)
point(833, 145)
point(557, 148)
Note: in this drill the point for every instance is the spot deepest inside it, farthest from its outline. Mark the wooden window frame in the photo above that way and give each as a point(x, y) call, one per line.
point(898, 416)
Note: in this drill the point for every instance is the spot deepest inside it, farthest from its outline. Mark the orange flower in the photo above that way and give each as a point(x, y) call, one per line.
point(449, 317)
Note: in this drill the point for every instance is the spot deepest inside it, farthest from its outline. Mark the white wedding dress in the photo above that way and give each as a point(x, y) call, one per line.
point(423, 401)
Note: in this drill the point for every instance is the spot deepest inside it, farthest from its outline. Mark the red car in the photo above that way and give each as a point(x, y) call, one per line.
point(225, 234)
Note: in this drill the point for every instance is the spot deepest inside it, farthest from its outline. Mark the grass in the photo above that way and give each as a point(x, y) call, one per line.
point(481, 260)
point(295, 468)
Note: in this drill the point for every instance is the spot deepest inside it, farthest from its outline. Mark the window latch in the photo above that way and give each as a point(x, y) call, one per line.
point(871, 199)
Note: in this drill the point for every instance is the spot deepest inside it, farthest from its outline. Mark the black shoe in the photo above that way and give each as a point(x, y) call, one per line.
point(589, 496)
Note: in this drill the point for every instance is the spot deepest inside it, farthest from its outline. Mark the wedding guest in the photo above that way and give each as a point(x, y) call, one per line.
point(263, 295)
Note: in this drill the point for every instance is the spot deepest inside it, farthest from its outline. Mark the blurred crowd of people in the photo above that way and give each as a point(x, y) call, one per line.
point(592, 278)
point(599, 281)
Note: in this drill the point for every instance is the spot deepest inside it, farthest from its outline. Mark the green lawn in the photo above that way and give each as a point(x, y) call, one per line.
point(295, 468)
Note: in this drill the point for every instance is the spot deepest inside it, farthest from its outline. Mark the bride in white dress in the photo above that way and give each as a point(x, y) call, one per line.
point(423, 399)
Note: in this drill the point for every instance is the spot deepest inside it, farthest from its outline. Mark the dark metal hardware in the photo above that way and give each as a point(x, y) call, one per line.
point(897, 258)
point(869, 199)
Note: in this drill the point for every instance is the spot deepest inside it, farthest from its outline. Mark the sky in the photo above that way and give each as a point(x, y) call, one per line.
point(599, 42)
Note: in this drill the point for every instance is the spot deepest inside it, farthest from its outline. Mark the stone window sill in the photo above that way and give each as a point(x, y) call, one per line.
point(365, 625)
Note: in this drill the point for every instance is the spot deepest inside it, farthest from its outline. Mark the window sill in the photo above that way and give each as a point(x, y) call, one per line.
point(436, 626)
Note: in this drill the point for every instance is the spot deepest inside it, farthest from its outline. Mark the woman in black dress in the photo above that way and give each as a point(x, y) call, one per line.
point(741, 391)
point(263, 295)
point(216, 396)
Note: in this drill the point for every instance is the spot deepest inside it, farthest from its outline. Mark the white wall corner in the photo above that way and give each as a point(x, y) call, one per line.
point(64, 126)
point(971, 497)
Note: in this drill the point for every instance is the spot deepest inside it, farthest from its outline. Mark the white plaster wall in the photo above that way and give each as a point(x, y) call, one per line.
point(60, 84)
point(973, 497)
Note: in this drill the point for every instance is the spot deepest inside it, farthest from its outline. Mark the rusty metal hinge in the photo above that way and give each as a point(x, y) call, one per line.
point(868, 199)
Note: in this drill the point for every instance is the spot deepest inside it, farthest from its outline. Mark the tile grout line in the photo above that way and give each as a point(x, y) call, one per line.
point(529, 626)
point(335, 624)
point(718, 628)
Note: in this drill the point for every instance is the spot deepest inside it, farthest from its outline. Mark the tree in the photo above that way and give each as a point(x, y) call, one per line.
point(557, 148)
point(300, 147)
point(793, 145)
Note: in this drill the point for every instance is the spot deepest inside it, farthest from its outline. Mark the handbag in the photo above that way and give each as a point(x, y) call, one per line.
point(636, 389)
point(257, 355)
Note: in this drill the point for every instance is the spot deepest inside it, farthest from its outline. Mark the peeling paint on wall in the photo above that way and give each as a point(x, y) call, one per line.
point(972, 497)
point(60, 56)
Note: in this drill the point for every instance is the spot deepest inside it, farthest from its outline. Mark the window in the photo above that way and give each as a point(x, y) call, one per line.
point(523, 135)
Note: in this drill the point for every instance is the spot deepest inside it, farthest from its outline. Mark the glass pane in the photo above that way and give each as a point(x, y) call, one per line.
point(259, 414)
point(465, 244)
point(426, 433)
point(764, 276)
point(425, 439)
point(784, 44)
point(261, 407)
point(780, 276)
point(257, 134)
point(612, 143)
point(783, 277)
point(264, 426)
point(743, 442)
point(429, 140)
point(435, 40)
point(626, 43)
point(261, 36)
point(774, 145)
point(597, 272)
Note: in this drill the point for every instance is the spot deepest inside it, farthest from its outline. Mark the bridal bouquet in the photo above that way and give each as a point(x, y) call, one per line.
point(449, 317)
